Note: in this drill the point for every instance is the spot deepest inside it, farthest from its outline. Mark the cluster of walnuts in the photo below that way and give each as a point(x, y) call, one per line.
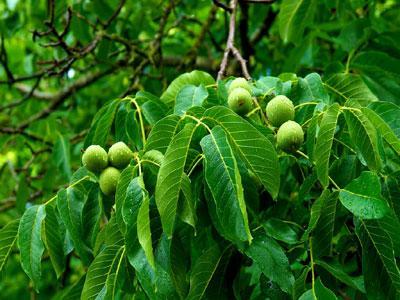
point(280, 113)
point(97, 160)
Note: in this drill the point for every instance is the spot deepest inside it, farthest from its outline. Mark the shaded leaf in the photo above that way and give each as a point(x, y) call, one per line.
point(381, 273)
point(294, 16)
point(272, 261)
point(203, 271)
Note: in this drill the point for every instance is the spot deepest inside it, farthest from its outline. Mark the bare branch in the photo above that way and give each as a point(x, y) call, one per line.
point(230, 46)
point(222, 5)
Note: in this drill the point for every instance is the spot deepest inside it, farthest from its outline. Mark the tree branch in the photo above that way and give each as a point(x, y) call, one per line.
point(230, 46)
point(222, 5)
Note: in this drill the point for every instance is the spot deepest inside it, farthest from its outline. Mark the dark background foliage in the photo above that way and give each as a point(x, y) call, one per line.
point(61, 61)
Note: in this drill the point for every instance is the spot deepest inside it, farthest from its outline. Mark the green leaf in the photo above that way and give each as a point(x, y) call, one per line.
point(195, 78)
point(91, 214)
point(54, 240)
point(390, 113)
point(364, 136)
point(280, 230)
point(8, 236)
point(144, 230)
point(322, 234)
point(294, 16)
point(186, 205)
point(189, 96)
point(169, 180)
point(254, 148)
point(381, 273)
point(70, 204)
point(161, 134)
point(134, 198)
point(362, 197)
point(380, 71)
point(153, 109)
point(101, 125)
point(383, 128)
point(307, 295)
point(350, 87)
point(61, 156)
point(72, 292)
point(223, 178)
point(324, 143)
point(272, 261)
point(135, 212)
point(126, 177)
point(133, 130)
point(112, 234)
point(299, 285)
point(337, 271)
point(315, 212)
point(30, 242)
point(203, 271)
point(323, 292)
point(102, 272)
point(120, 124)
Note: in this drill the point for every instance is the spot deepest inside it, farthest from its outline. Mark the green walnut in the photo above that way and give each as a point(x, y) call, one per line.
point(290, 136)
point(108, 180)
point(240, 101)
point(279, 110)
point(95, 158)
point(239, 82)
point(119, 155)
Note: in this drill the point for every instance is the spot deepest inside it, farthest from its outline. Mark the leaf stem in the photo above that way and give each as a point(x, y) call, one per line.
point(350, 108)
point(199, 122)
point(136, 157)
point(334, 183)
point(72, 185)
point(195, 165)
point(312, 270)
point(139, 112)
point(351, 54)
point(344, 144)
point(261, 112)
point(303, 154)
point(305, 103)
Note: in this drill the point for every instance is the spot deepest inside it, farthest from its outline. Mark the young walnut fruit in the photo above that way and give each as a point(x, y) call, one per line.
point(94, 158)
point(108, 180)
point(119, 155)
point(239, 100)
point(290, 136)
point(279, 110)
point(239, 82)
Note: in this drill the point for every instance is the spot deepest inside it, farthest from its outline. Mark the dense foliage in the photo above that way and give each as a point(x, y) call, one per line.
point(128, 173)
